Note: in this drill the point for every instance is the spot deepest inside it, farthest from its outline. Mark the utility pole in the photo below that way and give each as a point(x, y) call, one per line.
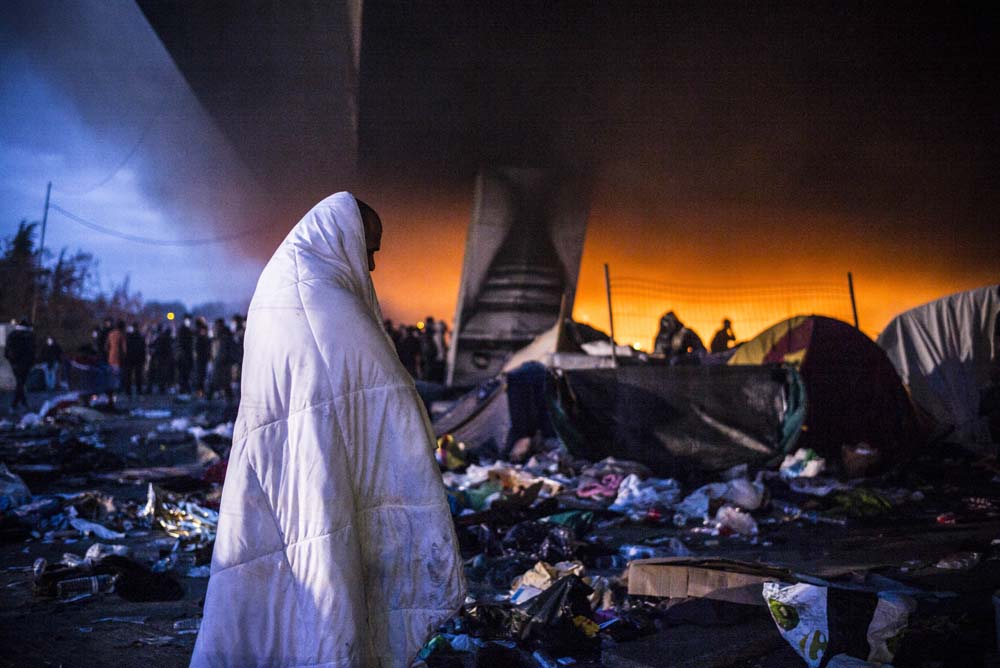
point(41, 249)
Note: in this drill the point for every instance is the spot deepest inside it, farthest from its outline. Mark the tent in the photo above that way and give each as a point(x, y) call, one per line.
point(944, 352)
point(852, 391)
point(514, 404)
point(507, 407)
point(674, 419)
point(551, 346)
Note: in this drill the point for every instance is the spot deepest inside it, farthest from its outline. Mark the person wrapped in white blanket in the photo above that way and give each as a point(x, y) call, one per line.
point(335, 544)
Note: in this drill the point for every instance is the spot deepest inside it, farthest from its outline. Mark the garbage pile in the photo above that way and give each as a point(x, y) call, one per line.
point(566, 559)
point(135, 549)
point(139, 571)
point(549, 544)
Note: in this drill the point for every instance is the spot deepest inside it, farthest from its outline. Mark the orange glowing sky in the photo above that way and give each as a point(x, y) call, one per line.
point(419, 267)
point(730, 144)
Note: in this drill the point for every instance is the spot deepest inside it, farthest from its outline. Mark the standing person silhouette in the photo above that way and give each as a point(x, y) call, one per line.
point(335, 544)
point(723, 337)
point(20, 352)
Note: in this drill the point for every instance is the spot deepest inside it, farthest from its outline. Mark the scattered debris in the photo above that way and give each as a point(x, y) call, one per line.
point(564, 556)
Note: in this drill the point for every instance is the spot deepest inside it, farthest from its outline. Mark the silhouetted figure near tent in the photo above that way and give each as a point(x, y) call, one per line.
point(202, 355)
point(428, 350)
point(20, 352)
point(150, 333)
point(135, 360)
point(115, 343)
point(401, 333)
point(723, 337)
point(162, 360)
point(393, 333)
point(440, 337)
point(409, 351)
point(222, 360)
point(238, 327)
point(184, 345)
point(101, 341)
point(51, 358)
point(676, 341)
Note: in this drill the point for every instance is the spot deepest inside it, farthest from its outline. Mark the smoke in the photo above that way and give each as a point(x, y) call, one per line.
point(720, 140)
point(727, 144)
point(857, 109)
point(116, 109)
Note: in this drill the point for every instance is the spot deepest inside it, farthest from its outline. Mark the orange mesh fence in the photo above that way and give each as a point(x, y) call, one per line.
point(637, 305)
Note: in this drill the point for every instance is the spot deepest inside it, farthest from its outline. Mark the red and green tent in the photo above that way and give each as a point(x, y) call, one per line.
point(853, 393)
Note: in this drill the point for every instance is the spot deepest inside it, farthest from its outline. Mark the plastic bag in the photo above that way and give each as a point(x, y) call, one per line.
point(799, 610)
point(635, 494)
point(13, 491)
point(539, 578)
point(735, 520)
point(892, 615)
point(99, 530)
point(846, 623)
point(557, 618)
point(744, 493)
point(804, 463)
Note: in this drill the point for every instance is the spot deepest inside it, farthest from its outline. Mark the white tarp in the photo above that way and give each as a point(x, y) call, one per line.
point(942, 351)
point(335, 544)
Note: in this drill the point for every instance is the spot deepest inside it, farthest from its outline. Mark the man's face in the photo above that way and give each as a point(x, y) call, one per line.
point(373, 237)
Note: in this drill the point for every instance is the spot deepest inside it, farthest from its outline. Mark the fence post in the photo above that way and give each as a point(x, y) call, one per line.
point(854, 305)
point(611, 315)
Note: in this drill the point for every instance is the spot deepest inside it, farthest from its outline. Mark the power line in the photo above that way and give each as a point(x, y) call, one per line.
point(147, 240)
point(124, 161)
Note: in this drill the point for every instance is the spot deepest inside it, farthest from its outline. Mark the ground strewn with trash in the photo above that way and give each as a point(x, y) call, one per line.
point(108, 519)
point(97, 559)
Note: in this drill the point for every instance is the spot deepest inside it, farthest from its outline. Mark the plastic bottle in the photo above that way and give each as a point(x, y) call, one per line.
point(95, 584)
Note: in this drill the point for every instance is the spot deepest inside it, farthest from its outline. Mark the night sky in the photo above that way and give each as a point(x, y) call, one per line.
point(727, 143)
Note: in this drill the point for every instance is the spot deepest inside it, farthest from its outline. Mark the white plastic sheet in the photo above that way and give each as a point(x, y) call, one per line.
point(942, 351)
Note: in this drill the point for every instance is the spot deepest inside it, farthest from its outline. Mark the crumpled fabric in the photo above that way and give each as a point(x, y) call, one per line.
point(335, 545)
point(639, 495)
point(601, 480)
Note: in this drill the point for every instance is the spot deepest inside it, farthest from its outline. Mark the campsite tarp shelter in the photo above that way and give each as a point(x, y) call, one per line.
point(943, 351)
point(853, 393)
point(572, 338)
point(678, 419)
point(505, 408)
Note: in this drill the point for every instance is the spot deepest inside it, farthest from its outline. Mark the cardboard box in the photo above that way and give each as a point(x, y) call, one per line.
point(719, 579)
